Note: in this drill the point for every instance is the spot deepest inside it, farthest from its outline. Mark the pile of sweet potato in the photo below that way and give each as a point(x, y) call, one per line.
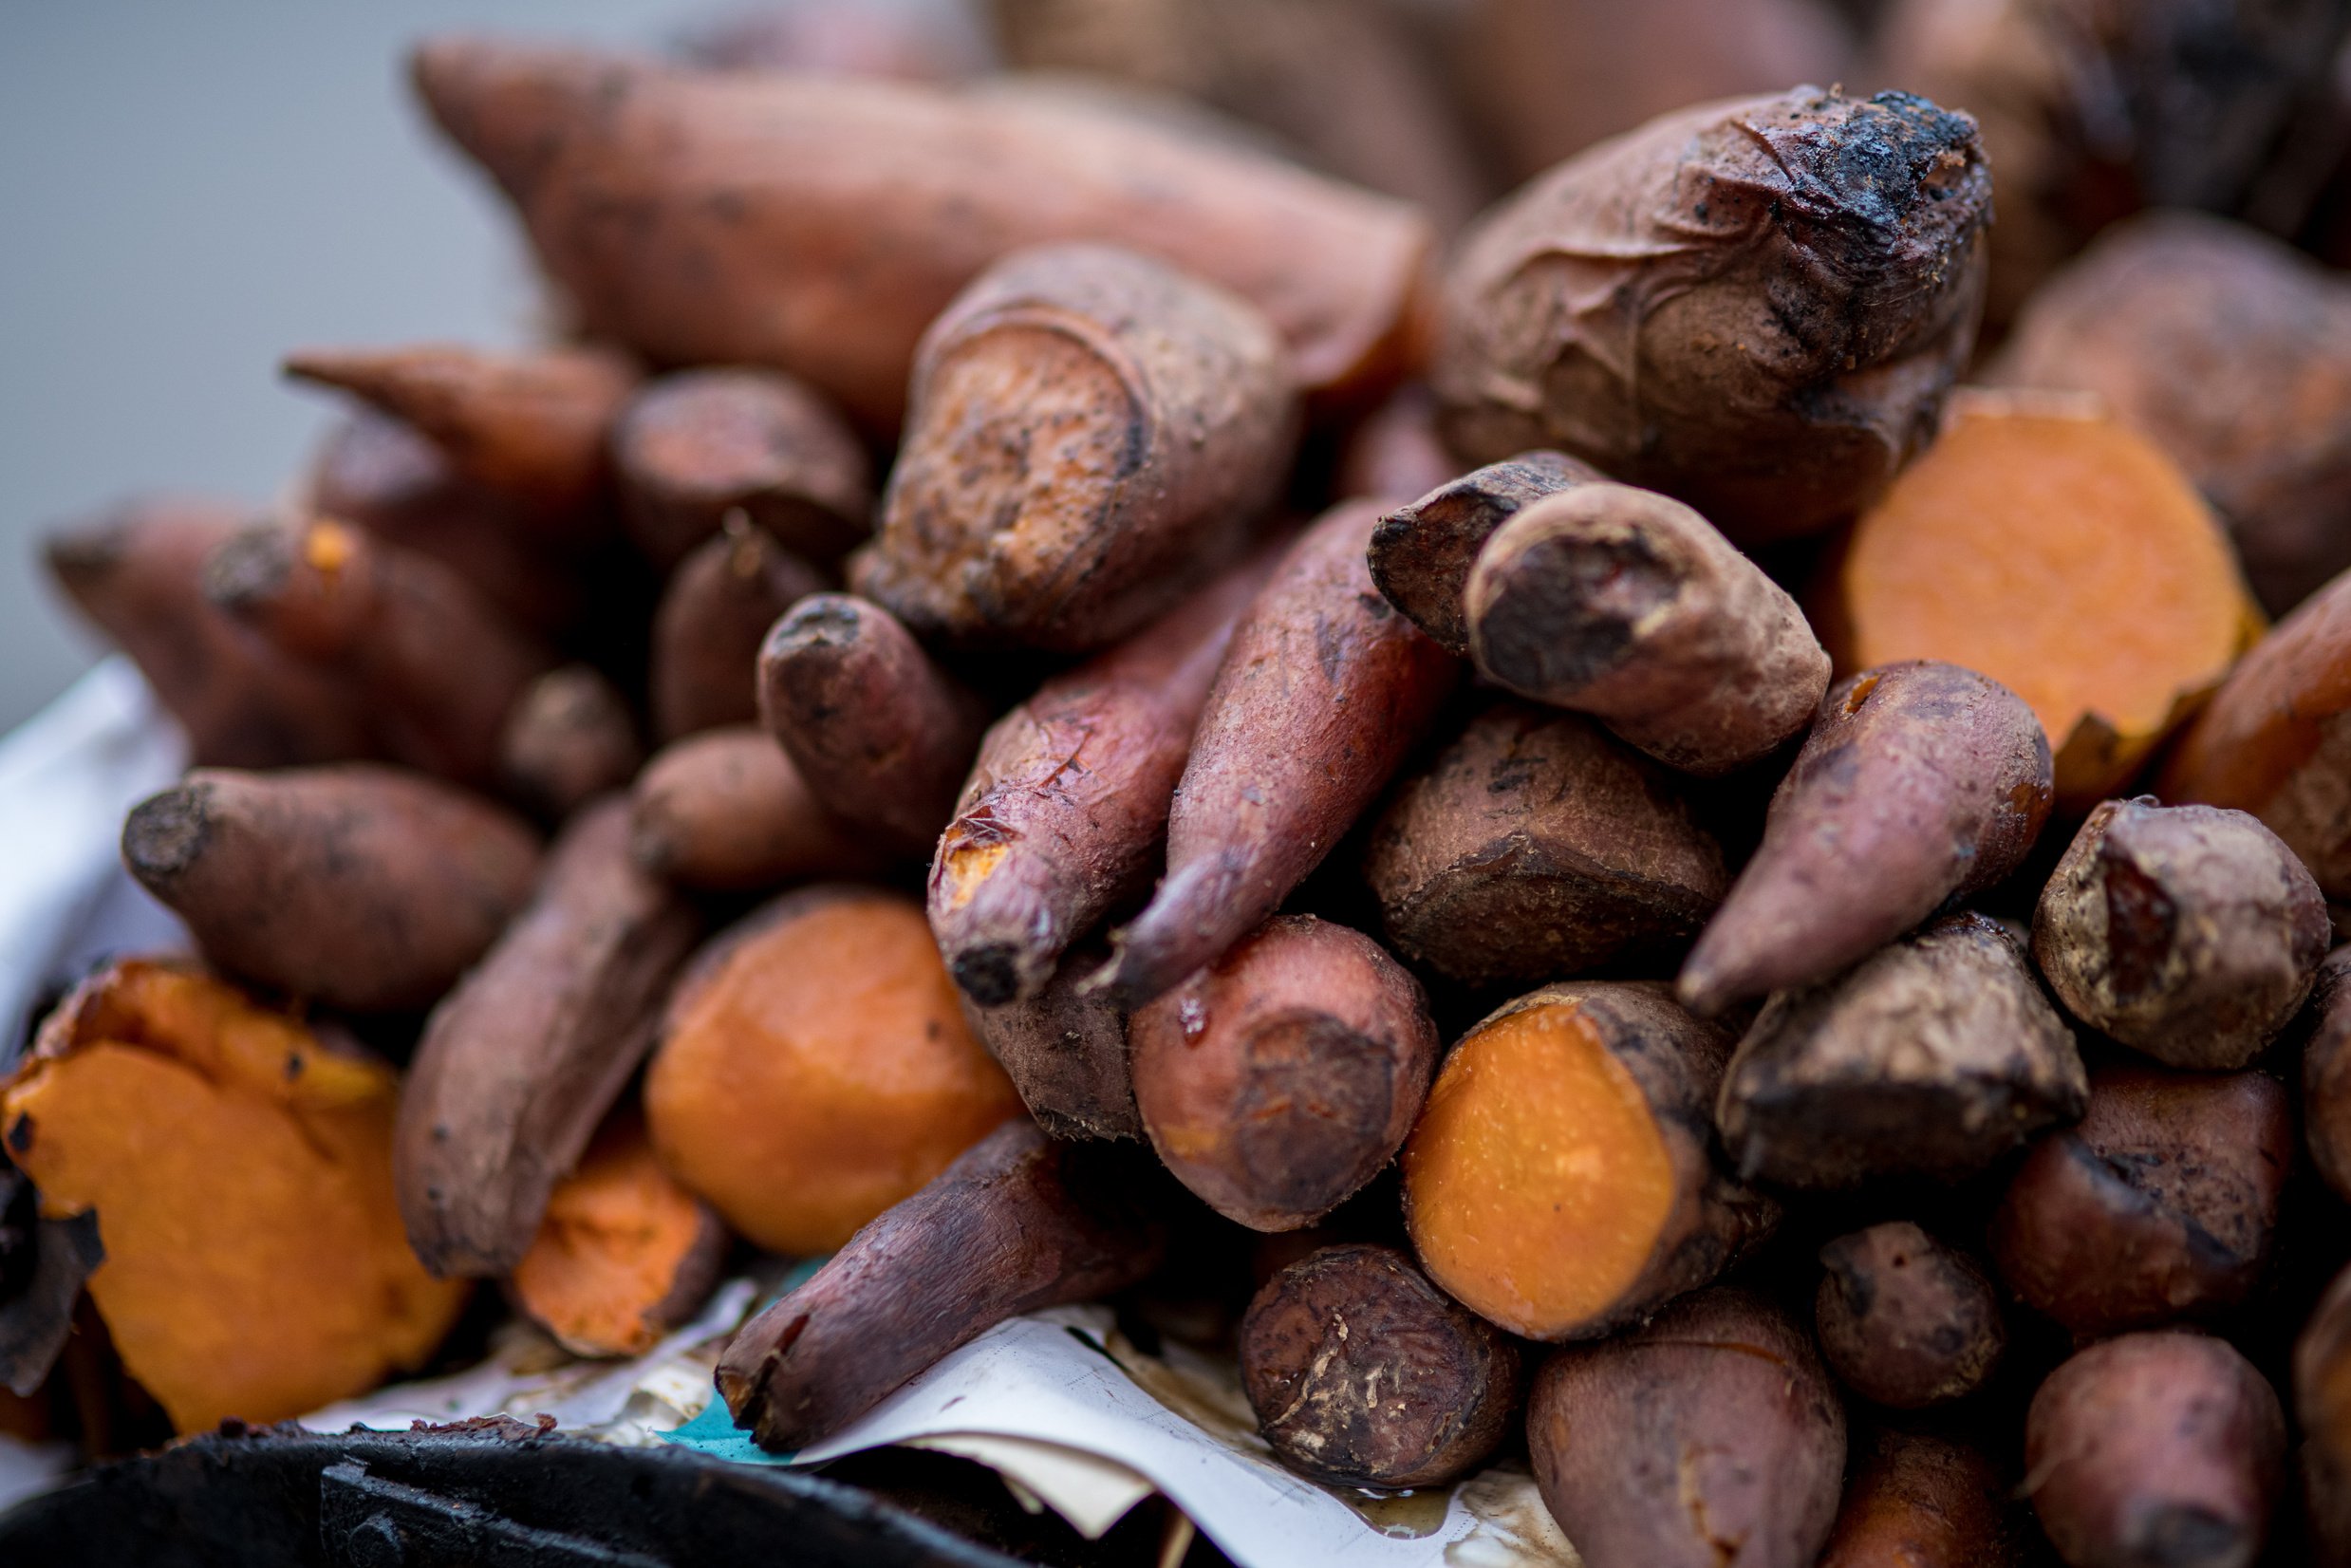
point(1520, 812)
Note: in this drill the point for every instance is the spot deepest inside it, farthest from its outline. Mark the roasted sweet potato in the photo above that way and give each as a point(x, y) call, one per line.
point(2232, 353)
point(882, 734)
point(1922, 1500)
point(2276, 739)
point(2160, 1206)
point(2156, 1448)
point(1755, 308)
point(2326, 1076)
point(1627, 605)
point(568, 739)
point(1711, 1436)
point(1363, 1373)
point(1065, 1050)
point(137, 573)
point(713, 617)
point(1323, 692)
point(1017, 1223)
point(2188, 932)
point(428, 659)
point(1091, 431)
point(750, 190)
point(523, 1060)
point(359, 886)
point(240, 1170)
point(905, 39)
point(726, 812)
point(1920, 783)
point(530, 424)
point(1904, 1319)
point(1561, 1181)
point(695, 445)
point(1279, 1079)
point(1066, 805)
point(1421, 555)
point(2042, 544)
point(1933, 1056)
point(814, 1068)
point(1533, 846)
point(2322, 1409)
point(624, 1254)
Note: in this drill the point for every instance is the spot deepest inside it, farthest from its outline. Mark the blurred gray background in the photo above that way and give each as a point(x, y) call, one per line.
point(186, 192)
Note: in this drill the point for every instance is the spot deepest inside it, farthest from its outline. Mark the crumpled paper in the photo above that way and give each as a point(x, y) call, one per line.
point(1072, 1414)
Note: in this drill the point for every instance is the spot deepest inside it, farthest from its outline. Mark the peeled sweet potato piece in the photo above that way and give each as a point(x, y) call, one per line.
point(624, 1254)
point(1754, 307)
point(813, 1068)
point(240, 1168)
point(1561, 1181)
point(2062, 554)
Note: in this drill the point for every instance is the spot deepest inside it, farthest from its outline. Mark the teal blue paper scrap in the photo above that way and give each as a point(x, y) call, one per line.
point(714, 1431)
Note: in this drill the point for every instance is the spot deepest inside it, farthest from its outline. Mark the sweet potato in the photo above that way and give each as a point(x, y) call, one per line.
point(137, 573)
point(882, 736)
point(1923, 1501)
point(714, 615)
point(1532, 847)
point(1089, 431)
point(2228, 350)
point(1279, 1079)
point(1323, 692)
point(2091, 112)
point(240, 1170)
point(2326, 1077)
point(2322, 1409)
point(694, 446)
point(906, 40)
point(1344, 82)
point(1016, 1223)
point(1363, 1373)
point(1920, 783)
point(1904, 1319)
point(428, 659)
point(568, 739)
point(1933, 1056)
point(623, 1255)
point(2276, 739)
point(2162, 1205)
point(819, 225)
point(1709, 1437)
point(1562, 1182)
point(384, 475)
point(1626, 605)
point(2046, 546)
point(812, 1068)
point(1421, 554)
point(1065, 1050)
point(530, 424)
point(725, 812)
point(1066, 808)
point(2156, 1448)
point(1397, 452)
point(2188, 932)
point(1548, 78)
point(359, 885)
point(522, 1060)
point(1755, 308)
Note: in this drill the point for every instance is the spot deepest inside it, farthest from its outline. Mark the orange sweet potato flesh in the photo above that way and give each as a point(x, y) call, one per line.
point(1558, 1182)
point(2064, 556)
point(241, 1170)
point(814, 1067)
point(624, 1253)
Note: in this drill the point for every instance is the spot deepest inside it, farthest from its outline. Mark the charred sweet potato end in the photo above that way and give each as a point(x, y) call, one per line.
point(1537, 1183)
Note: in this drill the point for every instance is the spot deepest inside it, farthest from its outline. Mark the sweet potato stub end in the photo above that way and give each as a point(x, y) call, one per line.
point(1538, 1182)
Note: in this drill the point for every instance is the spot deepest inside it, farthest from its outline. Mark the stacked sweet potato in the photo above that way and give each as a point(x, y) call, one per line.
point(1279, 646)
